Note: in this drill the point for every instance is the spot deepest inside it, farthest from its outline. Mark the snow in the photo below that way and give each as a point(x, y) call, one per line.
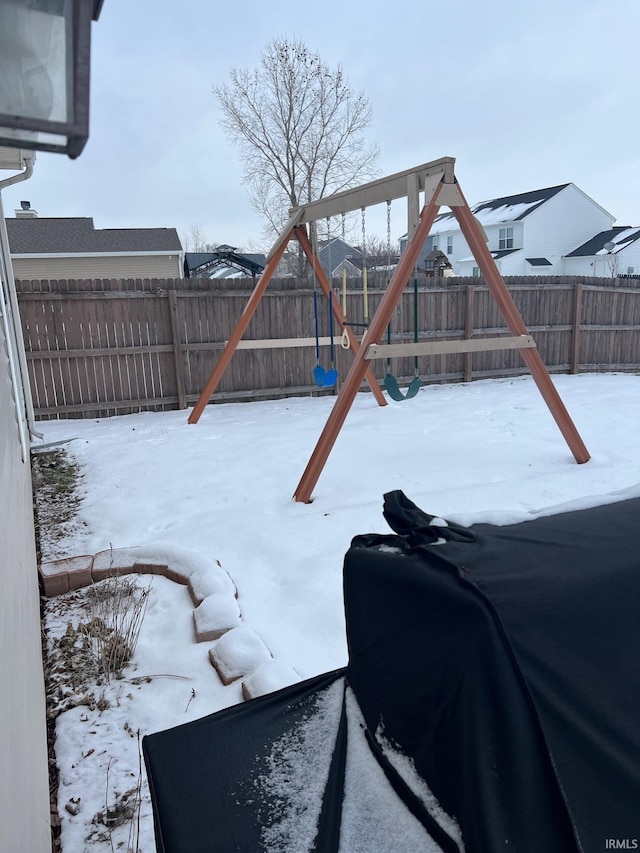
point(269, 676)
point(210, 581)
point(215, 615)
point(216, 497)
point(487, 216)
point(238, 652)
point(373, 817)
point(504, 213)
point(291, 781)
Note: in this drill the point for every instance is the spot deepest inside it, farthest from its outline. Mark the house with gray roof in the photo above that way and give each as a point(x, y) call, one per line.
point(530, 233)
point(73, 248)
point(614, 253)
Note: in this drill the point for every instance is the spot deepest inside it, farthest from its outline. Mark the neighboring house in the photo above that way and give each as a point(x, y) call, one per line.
point(435, 263)
point(528, 234)
point(73, 248)
point(611, 253)
point(335, 256)
point(225, 262)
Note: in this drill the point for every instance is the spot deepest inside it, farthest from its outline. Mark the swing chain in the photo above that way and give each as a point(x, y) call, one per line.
point(388, 235)
point(330, 276)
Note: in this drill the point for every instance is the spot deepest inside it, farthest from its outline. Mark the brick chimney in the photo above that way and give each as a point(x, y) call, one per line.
point(26, 211)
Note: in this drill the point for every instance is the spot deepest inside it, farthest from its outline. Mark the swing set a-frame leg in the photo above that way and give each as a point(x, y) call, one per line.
point(307, 248)
point(354, 378)
point(531, 357)
point(452, 196)
point(241, 328)
point(299, 233)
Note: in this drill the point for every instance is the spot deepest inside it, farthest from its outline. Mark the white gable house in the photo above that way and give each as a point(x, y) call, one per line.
point(528, 234)
point(609, 254)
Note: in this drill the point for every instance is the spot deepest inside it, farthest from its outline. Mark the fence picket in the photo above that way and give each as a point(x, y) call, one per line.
point(100, 347)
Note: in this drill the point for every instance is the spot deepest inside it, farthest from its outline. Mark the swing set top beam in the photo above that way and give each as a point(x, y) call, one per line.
point(400, 185)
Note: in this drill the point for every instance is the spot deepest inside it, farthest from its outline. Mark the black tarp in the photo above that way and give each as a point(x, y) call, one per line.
point(502, 662)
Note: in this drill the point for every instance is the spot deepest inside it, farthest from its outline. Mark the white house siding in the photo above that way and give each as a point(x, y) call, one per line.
point(97, 266)
point(564, 222)
point(463, 263)
point(24, 787)
point(514, 264)
point(557, 227)
point(605, 265)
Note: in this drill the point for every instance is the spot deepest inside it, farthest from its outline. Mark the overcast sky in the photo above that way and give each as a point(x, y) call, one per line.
point(524, 94)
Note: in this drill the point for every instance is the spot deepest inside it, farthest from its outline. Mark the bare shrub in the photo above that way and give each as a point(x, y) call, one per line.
point(116, 607)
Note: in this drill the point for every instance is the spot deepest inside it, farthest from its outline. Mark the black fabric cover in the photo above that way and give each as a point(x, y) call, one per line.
point(504, 661)
point(200, 774)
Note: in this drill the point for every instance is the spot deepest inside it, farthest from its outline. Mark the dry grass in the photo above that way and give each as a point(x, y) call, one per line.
point(116, 608)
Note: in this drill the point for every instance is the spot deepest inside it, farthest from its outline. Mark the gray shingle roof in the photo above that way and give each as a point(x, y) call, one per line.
point(502, 253)
point(41, 236)
point(620, 235)
point(521, 204)
point(508, 208)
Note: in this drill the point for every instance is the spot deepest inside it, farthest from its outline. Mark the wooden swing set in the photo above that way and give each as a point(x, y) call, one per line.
point(437, 182)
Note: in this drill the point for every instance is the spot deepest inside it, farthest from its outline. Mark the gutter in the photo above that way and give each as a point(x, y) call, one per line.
point(14, 319)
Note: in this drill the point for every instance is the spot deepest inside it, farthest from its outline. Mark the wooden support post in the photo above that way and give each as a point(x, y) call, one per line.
point(376, 331)
point(307, 248)
point(577, 321)
point(241, 327)
point(472, 233)
point(468, 331)
point(178, 360)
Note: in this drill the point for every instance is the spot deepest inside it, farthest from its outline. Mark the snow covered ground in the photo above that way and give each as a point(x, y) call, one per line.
point(221, 490)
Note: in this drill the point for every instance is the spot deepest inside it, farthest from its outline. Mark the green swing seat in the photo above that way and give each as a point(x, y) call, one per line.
point(390, 381)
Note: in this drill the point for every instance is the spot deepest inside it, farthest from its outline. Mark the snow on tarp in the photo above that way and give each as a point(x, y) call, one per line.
point(290, 786)
point(492, 701)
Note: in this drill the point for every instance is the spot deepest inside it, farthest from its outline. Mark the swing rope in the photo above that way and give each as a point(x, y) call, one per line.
point(346, 344)
point(344, 341)
point(322, 377)
point(331, 317)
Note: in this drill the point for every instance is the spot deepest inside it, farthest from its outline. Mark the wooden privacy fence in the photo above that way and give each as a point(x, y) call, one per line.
point(98, 348)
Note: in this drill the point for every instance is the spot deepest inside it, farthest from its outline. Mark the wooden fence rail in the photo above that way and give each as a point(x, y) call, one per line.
point(97, 348)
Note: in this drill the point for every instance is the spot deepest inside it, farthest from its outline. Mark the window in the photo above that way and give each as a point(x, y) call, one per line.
point(506, 239)
point(476, 272)
point(449, 245)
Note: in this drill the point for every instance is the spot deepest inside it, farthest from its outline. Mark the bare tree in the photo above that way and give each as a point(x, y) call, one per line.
point(195, 241)
point(298, 126)
point(381, 252)
point(613, 262)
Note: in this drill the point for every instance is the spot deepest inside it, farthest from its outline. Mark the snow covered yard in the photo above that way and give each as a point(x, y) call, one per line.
point(221, 490)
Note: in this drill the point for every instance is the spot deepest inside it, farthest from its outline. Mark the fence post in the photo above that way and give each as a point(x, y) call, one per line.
point(468, 332)
point(577, 320)
point(177, 348)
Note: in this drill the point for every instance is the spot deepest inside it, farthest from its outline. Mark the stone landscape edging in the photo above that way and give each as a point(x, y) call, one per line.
point(71, 573)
